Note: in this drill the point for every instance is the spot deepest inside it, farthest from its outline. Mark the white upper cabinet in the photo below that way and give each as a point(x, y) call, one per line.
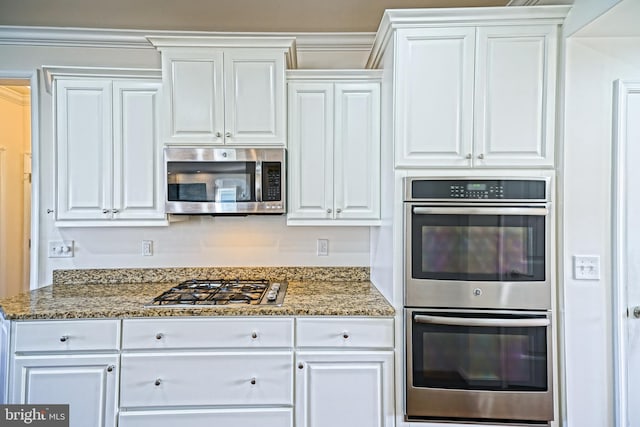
point(471, 88)
point(107, 153)
point(224, 90)
point(334, 151)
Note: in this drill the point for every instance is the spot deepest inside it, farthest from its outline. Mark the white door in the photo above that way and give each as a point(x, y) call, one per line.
point(344, 389)
point(627, 253)
point(87, 383)
point(434, 101)
point(310, 151)
point(515, 96)
point(254, 97)
point(357, 151)
point(137, 193)
point(83, 149)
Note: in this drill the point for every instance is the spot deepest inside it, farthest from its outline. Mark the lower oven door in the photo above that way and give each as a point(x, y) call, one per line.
point(479, 365)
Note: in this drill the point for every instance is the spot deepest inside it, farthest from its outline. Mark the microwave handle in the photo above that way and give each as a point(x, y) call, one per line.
point(479, 211)
point(258, 181)
point(465, 321)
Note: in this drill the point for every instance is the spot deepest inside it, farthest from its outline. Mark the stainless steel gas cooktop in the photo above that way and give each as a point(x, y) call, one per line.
point(203, 293)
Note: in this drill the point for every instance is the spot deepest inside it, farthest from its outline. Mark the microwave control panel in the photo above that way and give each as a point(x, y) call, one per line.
point(476, 189)
point(271, 181)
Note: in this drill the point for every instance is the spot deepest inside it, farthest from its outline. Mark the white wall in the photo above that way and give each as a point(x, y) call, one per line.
point(592, 66)
point(203, 241)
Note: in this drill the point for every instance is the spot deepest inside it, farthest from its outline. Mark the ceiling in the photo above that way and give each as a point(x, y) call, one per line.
point(216, 15)
point(619, 21)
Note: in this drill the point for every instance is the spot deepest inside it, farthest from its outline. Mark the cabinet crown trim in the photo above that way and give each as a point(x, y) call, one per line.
point(334, 75)
point(393, 19)
point(52, 72)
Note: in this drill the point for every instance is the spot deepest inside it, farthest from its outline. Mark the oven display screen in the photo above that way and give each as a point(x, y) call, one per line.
point(476, 187)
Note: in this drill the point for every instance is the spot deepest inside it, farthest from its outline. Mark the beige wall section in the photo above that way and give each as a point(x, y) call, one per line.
point(14, 141)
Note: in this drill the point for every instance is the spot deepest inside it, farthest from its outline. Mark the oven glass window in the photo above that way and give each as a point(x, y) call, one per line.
point(211, 182)
point(479, 357)
point(478, 247)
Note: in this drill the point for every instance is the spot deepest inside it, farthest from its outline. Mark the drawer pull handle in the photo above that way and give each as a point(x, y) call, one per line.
point(158, 382)
point(254, 335)
point(64, 338)
point(110, 368)
point(159, 336)
point(300, 365)
point(345, 335)
point(253, 381)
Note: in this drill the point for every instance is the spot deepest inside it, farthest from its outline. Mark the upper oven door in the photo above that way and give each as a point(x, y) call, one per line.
point(480, 256)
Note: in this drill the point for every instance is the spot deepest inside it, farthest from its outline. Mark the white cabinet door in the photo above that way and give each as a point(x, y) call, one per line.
point(434, 96)
point(137, 192)
point(357, 151)
point(311, 150)
point(88, 383)
point(515, 96)
point(193, 95)
point(225, 417)
point(344, 389)
point(254, 97)
point(83, 149)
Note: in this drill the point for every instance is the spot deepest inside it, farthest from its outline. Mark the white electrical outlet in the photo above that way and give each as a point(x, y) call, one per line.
point(323, 247)
point(147, 247)
point(60, 248)
point(586, 267)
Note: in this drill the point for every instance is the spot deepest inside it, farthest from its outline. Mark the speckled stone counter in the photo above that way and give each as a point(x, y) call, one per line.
point(109, 294)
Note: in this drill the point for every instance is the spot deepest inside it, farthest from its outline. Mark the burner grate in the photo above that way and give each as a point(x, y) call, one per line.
point(213, 292)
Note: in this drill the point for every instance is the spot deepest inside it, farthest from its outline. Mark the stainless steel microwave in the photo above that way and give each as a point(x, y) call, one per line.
point(225, 181)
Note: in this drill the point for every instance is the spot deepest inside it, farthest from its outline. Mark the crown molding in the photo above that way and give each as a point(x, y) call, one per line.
point(332, 75)
point(50, 72)
point(14, 97)
point(140, 39)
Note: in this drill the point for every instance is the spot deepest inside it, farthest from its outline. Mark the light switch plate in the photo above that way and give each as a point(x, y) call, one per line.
point(60, 249)
point(323, 247)
point(586, 267)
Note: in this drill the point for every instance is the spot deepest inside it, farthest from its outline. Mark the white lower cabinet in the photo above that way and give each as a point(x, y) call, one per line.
point(344, 372)
point(236, 417)
point(87, 383)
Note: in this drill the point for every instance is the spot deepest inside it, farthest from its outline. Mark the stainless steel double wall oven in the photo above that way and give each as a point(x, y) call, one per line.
point(478, 292)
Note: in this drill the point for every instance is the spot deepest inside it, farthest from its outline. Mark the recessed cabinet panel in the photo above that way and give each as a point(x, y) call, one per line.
point(435, 93)
point(357, 151)
point(515, 95)
point(196, 104)
point(254, 97)
point(87, 383)
point(137, 192)
point(83, 144)
point(310, 150)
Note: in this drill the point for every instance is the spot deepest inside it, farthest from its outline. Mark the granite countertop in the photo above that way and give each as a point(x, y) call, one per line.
point(92, 295)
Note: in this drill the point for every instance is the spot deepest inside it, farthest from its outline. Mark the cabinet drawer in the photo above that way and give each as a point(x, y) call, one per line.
point(207, 333)
point(67, 335)
point(344, 332)
point(206, 378)
point(240, 417)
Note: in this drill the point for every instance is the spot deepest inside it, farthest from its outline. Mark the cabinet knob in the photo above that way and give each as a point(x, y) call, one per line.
point(105, 211)
point(158, 382)
point(328, 210)
point(345, 335)
point(300, 365)
point(253, 381)
point(218, 134)
point(338, 210)
point(110, 368)
point(159, 336)
point(481, 156)
point(468, 156)
point(115, 210)
point(254, 335)
point(227, 134)
point(50, 211)
point(64, 338)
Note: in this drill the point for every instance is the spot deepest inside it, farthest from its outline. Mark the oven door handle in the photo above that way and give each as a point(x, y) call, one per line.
point(479, 211)
point(465, 321)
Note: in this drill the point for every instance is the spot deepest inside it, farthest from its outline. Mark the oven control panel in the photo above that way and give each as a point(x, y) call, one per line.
point(477, 191)
point(419, 189)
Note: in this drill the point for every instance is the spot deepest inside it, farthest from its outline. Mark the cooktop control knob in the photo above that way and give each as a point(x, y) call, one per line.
point(275, 287)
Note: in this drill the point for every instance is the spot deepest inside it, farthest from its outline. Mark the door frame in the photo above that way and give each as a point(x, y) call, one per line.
point(621, 88)
point(33, 77)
